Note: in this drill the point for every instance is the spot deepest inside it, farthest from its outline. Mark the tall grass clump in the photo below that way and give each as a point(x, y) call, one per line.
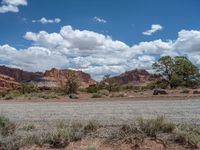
point(154, 126)
point(6, 126)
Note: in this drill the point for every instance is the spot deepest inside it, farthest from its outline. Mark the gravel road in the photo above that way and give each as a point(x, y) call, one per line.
point(108, 112)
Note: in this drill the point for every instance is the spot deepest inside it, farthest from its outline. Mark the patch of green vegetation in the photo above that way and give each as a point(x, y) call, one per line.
point(154, 126)
point(28, 127)
point(92, 89)
point(119, 94)
point(91, 148)
point(6, 126)
point(97, 95)
point(47, 95)
point(188, 135)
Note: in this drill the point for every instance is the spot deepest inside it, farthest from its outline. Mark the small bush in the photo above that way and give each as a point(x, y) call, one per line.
point(188, 135)
point(28, 127)
point(90, 127)
point(153, 126)
point(120, 94)
point(96, 95)
point(2, 94)
point(185, 91)
point(92, 89)
point(47, 96)
point(91, 148)
point(9, 97)
point(6, 126)
point(27, 88)
point(12, 142)
point(104, 92)
point(187, 138)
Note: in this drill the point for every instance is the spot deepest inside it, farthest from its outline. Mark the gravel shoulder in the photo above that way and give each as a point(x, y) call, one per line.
point(108, 112)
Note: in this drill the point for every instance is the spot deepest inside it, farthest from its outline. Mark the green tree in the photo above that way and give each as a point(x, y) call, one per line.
point(165, 67)
point(184, 68)
point(108, 83)
point(178, 71)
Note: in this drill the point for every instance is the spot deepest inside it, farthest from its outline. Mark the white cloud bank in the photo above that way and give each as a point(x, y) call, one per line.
point(96, 53)
point(43, 20)
point(11, 5)
point(154, 29)
point(100, 20)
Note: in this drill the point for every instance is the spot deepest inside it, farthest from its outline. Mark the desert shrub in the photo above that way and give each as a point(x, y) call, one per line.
point(104, 92)
point(8, 97)
point(108, 83)
point(191, 84)
point(12, 142)
point(163, 84)
point(188, 135)
point(120, 94)
point(96, 95)
point(6, 126)
point(90, 127)
point(130, 87)
point(185, 91)
point(3, 94)
point(92, 89)
point(150, 86)
point(91, 148)
point(28, 127)
point(59, 138)
point(153, 126)
point(27, 88)
point(47, 95)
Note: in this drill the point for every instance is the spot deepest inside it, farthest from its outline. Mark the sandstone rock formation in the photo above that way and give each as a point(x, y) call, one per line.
point(18, 74)
point(8, 83)
point(57, 78)
point(137, 76)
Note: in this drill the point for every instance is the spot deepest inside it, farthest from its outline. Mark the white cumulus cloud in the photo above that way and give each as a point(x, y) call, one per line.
point(11, 5)
point(154, 28)
point(96, 53)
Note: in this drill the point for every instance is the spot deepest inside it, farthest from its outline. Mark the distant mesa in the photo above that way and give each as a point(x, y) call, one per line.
point(11, 78)
point(19, 75)
point(50, 78)
point(57, 78)
point(136, 77)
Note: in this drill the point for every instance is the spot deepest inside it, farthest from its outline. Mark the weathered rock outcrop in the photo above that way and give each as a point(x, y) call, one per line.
point(136, 76)
point(57, 78)
point(8, 82)
point(18, 74)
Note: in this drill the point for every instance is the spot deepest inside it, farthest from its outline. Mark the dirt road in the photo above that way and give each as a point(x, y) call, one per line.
point(109, 112)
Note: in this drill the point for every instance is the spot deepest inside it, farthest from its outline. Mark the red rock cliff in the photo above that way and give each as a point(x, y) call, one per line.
point(19, 75)
point(56, 77)
point(8, 82)
point(136, 76)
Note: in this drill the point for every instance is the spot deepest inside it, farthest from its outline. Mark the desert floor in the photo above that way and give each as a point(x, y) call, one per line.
point(104, 111)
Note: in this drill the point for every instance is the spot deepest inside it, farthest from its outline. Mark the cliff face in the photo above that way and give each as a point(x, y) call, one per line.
point(57, 78)
point(19, 75)
point(8, 82)
point(136, 76)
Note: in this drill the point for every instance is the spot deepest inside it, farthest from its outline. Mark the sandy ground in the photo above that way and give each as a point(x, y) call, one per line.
point(105, 111)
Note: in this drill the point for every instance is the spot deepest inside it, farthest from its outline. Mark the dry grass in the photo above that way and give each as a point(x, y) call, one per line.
point(61, 135)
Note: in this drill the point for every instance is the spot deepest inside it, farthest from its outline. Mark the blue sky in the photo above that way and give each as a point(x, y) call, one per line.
point(127, 21)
